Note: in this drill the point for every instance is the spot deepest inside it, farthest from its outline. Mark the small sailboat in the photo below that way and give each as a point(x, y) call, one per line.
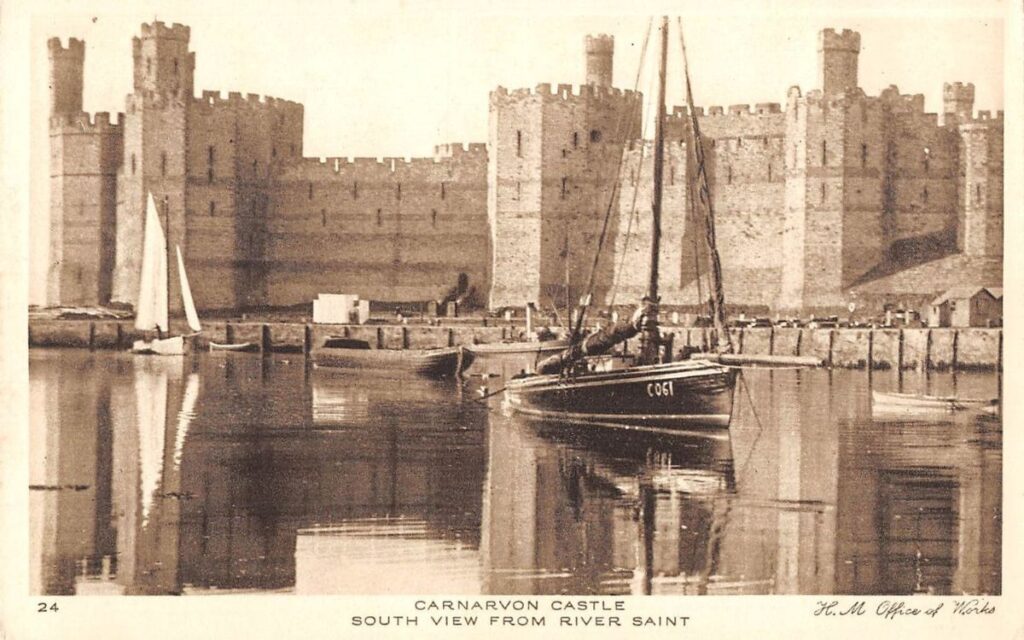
point(151, 313)
point(583, 385)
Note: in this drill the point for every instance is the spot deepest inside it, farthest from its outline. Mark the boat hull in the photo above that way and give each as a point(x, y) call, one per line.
point(896, 403)
point(508, 358)
point(175, 346)
point(687, 395)
point(432, 363)
point(243, 346)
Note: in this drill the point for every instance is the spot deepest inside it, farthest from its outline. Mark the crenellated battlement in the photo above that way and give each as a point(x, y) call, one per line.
point(75, 48)
point(681, 113)
point(100, 123)
point(158, 29)
point(460, 150)
point(845, 40)
point(234, 99)
point(600, 43)
point(566, 92)
point(956, 91)
point(984, 118)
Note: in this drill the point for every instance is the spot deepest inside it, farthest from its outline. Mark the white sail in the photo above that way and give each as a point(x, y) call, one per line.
point(151, 310)
point(186, 295)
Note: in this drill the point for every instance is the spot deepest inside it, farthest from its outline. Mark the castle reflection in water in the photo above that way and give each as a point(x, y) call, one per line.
point(238, 473)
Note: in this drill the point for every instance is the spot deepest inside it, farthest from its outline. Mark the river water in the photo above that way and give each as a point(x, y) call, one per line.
point(236, 473)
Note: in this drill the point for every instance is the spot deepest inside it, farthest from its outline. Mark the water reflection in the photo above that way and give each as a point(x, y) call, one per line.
point(231, 472)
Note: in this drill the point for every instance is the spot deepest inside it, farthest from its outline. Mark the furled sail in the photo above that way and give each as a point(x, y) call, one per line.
point(151, 310)
point(186, 295)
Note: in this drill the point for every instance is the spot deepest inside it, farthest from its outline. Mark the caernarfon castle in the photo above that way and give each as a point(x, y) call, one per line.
point(836, 197)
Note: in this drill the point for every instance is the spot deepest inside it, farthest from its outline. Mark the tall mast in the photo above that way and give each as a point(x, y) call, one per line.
point(704, 191)
point(651, 336)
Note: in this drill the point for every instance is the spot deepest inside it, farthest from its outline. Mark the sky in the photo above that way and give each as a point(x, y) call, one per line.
point(394, 79)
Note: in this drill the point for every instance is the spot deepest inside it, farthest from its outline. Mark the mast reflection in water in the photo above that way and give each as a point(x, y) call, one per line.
point(232, 472)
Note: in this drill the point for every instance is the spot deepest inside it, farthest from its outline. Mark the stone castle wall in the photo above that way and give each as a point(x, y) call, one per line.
point(813, 202)
point(389, 229)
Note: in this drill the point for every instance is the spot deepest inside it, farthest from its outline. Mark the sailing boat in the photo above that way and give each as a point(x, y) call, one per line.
point(652, 392)
point(151, 313)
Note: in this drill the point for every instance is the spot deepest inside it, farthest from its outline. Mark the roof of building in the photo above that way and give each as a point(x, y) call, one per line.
point(967, 292)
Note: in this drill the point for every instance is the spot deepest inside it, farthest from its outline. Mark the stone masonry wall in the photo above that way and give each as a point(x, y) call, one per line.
point(391, 229)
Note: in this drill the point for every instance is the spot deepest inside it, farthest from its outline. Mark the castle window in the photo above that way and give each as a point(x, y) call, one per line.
point(213, 208)
point(355, 190)
point(323, 217)
point(209, 175)
point(133, 164)
point(255, 167)
point(519, 143)
point(433, 217)
point(575, 139)
point(769, 172)
point(398, 191)
point(519, 190)
point(310, 190)
point(565, 186)
point(863, 155)
point(565, 153)
point(728, 175)
point(209, 154)
point(273, 152)
point(822, 193)
point(824, 153)
point(380, 217)
point(672, 175)
point(163, 164)
point(739, 142)
point(175, 66)
point(924, 194)
point(444, 192)
point(977, 193)
point(595, 135)
point(149, 65)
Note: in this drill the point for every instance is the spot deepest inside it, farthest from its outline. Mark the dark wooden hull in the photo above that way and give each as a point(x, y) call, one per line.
point(508, 358)
point(681, 396)
point(433, 363)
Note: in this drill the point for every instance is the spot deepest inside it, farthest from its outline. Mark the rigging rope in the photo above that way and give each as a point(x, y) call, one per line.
point(611, 198)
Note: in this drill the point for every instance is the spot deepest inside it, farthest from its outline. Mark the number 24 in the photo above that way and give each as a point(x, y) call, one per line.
point(44, 607)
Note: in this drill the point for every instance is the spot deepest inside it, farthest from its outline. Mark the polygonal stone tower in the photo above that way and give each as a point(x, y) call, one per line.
point(837, 60)
point(84, 156)
point(957, 102)
point(600, 55)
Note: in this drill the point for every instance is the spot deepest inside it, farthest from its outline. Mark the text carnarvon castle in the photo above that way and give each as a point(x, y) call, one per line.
point(836, 196)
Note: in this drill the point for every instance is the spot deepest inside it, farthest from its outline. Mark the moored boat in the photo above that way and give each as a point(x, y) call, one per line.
point(345, 353)
point(241, 346)
point(151, 313)
point(652, 392)
point(911, 403)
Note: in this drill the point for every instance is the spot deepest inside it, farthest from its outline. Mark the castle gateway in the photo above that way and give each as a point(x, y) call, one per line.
point(837, 197)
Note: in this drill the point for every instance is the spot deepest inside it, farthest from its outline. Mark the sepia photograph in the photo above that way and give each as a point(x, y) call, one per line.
point(509, 317)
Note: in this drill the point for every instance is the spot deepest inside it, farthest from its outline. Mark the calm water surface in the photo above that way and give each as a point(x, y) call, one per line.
point(231, 472)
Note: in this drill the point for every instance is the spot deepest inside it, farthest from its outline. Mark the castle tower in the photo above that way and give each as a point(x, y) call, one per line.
point(85, 153)
point(600, 54)
point(957, 102)
point(163, 63)
point(980, 220)
point(66, 75)
point(156, 126)
point(837, 60)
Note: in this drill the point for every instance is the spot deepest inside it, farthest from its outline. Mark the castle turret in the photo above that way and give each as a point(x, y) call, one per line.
point(957, 102)
point(837, 60)
point(66, 75)
point(163, 63)
point(600, 54)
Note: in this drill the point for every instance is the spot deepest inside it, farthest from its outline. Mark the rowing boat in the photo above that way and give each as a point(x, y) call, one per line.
point(344, 353)
point(915, 403)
